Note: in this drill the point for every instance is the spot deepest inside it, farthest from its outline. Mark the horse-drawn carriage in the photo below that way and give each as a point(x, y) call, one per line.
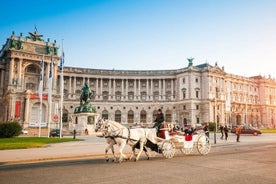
point(166, 142)
point(170, 140)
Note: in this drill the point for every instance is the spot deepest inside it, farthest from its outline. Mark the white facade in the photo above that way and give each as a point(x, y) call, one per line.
point(196, 94)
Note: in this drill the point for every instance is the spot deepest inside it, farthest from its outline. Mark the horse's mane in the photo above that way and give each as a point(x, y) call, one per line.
point(118, 125)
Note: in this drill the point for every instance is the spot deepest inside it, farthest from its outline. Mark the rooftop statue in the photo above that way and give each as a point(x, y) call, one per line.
point(190, 60)
point(35, 36)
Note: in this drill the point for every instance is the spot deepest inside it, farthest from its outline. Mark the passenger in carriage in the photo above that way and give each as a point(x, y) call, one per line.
point(188, 130)
point(158, 121)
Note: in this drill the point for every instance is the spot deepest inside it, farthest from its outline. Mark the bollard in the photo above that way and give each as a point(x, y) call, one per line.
point(74, 134)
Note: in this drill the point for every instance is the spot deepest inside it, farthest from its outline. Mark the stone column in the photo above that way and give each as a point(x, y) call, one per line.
point(2, 79)
point(11, 71)
point(83, 81)
point(12, 106)
point(147, 86)
point(135, 90)
point(74, 85)
point(172, 86)
point(70, 85)
point(54, 75)
point(114, 88)
point(109, 89)
point(139, 89)
point(46, 75)
point(126, 92)
point(19, 80)
point(27, 106)
point(101, 89)
point(160, 89)
point(151, 89)
point(164, 89)
point(122, 89)
point(96, 89)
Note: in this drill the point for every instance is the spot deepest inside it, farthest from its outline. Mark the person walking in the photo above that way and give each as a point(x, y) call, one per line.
point(206, 130)
point(225, 129)
point(238, 132)
point(221, 131)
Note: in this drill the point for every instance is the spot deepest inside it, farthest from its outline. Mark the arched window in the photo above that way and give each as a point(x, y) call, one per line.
point(184, 93)
point(118, 116)
point(168, 116)
point(143, 116)
point(32, 69)
point(154, 115)
point(130, 116)
point(105, 114)
point(64, 116)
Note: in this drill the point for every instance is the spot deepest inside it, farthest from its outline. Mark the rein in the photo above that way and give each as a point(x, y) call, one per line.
point(120, 129)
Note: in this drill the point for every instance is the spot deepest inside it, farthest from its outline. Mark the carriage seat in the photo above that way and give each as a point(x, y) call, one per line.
point(175, 132)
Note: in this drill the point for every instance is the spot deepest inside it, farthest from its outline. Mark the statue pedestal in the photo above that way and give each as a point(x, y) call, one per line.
point(82, 121)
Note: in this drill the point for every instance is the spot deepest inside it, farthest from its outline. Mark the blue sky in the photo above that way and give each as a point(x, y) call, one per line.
point(152, 34)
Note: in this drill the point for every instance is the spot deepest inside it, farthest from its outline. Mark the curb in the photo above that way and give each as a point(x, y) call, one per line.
point(51, 159)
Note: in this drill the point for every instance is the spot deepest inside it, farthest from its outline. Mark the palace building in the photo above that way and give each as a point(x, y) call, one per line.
point(192, 94)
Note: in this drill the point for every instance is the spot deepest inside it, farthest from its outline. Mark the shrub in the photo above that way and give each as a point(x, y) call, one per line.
point(9, 129)
point(212, 126)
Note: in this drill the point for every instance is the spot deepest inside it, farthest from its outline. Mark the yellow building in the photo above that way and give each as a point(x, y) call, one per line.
point(193, 94)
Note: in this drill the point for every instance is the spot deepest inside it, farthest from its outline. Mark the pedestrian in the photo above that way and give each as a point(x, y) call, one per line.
point(159, 120)
point(221, 131)
point(206, 129)
point(225, 129)
point(86, 131)
point(238, 132)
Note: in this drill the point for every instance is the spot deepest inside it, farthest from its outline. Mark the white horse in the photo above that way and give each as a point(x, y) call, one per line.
point(136, 137)
point(109, 140)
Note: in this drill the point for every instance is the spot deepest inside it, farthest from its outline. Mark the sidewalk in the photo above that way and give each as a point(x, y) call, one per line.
point(94, 147)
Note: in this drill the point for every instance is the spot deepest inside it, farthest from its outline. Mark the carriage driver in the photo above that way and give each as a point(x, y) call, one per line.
point(159, 120)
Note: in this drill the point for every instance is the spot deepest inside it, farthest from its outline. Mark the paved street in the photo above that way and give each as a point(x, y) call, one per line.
point(250, 161)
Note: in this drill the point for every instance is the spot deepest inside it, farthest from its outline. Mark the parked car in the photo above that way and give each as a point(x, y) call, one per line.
point(247, 130)
point(24, 131)
point(55, 133)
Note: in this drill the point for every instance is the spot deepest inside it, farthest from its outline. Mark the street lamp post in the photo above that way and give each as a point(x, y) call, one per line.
point(215, 115)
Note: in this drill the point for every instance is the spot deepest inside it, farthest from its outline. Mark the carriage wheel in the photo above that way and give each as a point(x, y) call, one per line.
point(168, 149)
point(203, 144)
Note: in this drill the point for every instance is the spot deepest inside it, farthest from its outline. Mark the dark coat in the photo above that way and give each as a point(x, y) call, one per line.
point(159, 118)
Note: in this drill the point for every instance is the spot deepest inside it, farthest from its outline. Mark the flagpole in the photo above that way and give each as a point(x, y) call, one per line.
point(50, 81)
point(40, 91)
point(61, 90)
